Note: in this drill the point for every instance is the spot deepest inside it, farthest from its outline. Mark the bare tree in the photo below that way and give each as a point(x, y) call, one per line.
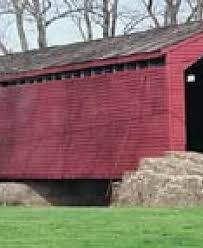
point(4, 50)
point(149, 8)
point(198, 15)
point(91, 14)
point(87, 18)
point(195, 9)
point(106, 18)
point(80, 12)
point(38, 10)
point(3, 47)
point(17, 9)
point(171, 12)
point(167, 14)
point(110, 14)
point(46, 12)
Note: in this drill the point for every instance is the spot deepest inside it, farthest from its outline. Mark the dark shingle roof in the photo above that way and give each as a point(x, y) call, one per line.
point(139, 42)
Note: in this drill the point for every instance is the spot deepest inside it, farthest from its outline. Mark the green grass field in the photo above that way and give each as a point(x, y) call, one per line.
point(100, 227)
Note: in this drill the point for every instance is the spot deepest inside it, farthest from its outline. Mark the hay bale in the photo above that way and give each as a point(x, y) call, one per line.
point(175, 179)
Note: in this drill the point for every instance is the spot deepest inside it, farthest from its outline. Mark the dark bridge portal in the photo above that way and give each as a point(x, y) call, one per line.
point(194, 106)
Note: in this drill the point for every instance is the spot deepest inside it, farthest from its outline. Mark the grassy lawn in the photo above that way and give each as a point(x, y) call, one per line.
point(100, 227)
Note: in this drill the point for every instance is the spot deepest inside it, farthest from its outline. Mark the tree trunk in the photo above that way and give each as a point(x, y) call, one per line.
point(87, 20)
point(106, 21)
point(41, 30)
point(114, 15)
point(3, 48)
point(21, 31)
point(199, 10)
point(171, 12)
point(174, 11)
point(148, 6)
point(173, 16)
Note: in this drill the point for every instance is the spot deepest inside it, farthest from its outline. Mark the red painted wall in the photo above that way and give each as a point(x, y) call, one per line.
point(179, 58)
point(93, 127)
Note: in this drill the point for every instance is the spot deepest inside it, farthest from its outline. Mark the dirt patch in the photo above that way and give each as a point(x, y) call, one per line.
point(175, 179)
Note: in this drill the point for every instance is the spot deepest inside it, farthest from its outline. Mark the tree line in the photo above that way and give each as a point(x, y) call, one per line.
point(110, 17)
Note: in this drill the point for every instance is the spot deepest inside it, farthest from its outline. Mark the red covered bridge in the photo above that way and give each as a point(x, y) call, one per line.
point(91, 110)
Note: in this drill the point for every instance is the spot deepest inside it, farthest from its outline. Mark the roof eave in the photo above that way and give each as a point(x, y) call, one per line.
point(78, 66)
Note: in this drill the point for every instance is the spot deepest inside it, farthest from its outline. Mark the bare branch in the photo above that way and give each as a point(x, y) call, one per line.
point(148, 5)
point(62, 15)
point(3, 48)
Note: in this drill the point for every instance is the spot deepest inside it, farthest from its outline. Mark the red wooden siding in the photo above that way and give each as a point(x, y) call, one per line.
point(179, 58)
point(93, 127)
